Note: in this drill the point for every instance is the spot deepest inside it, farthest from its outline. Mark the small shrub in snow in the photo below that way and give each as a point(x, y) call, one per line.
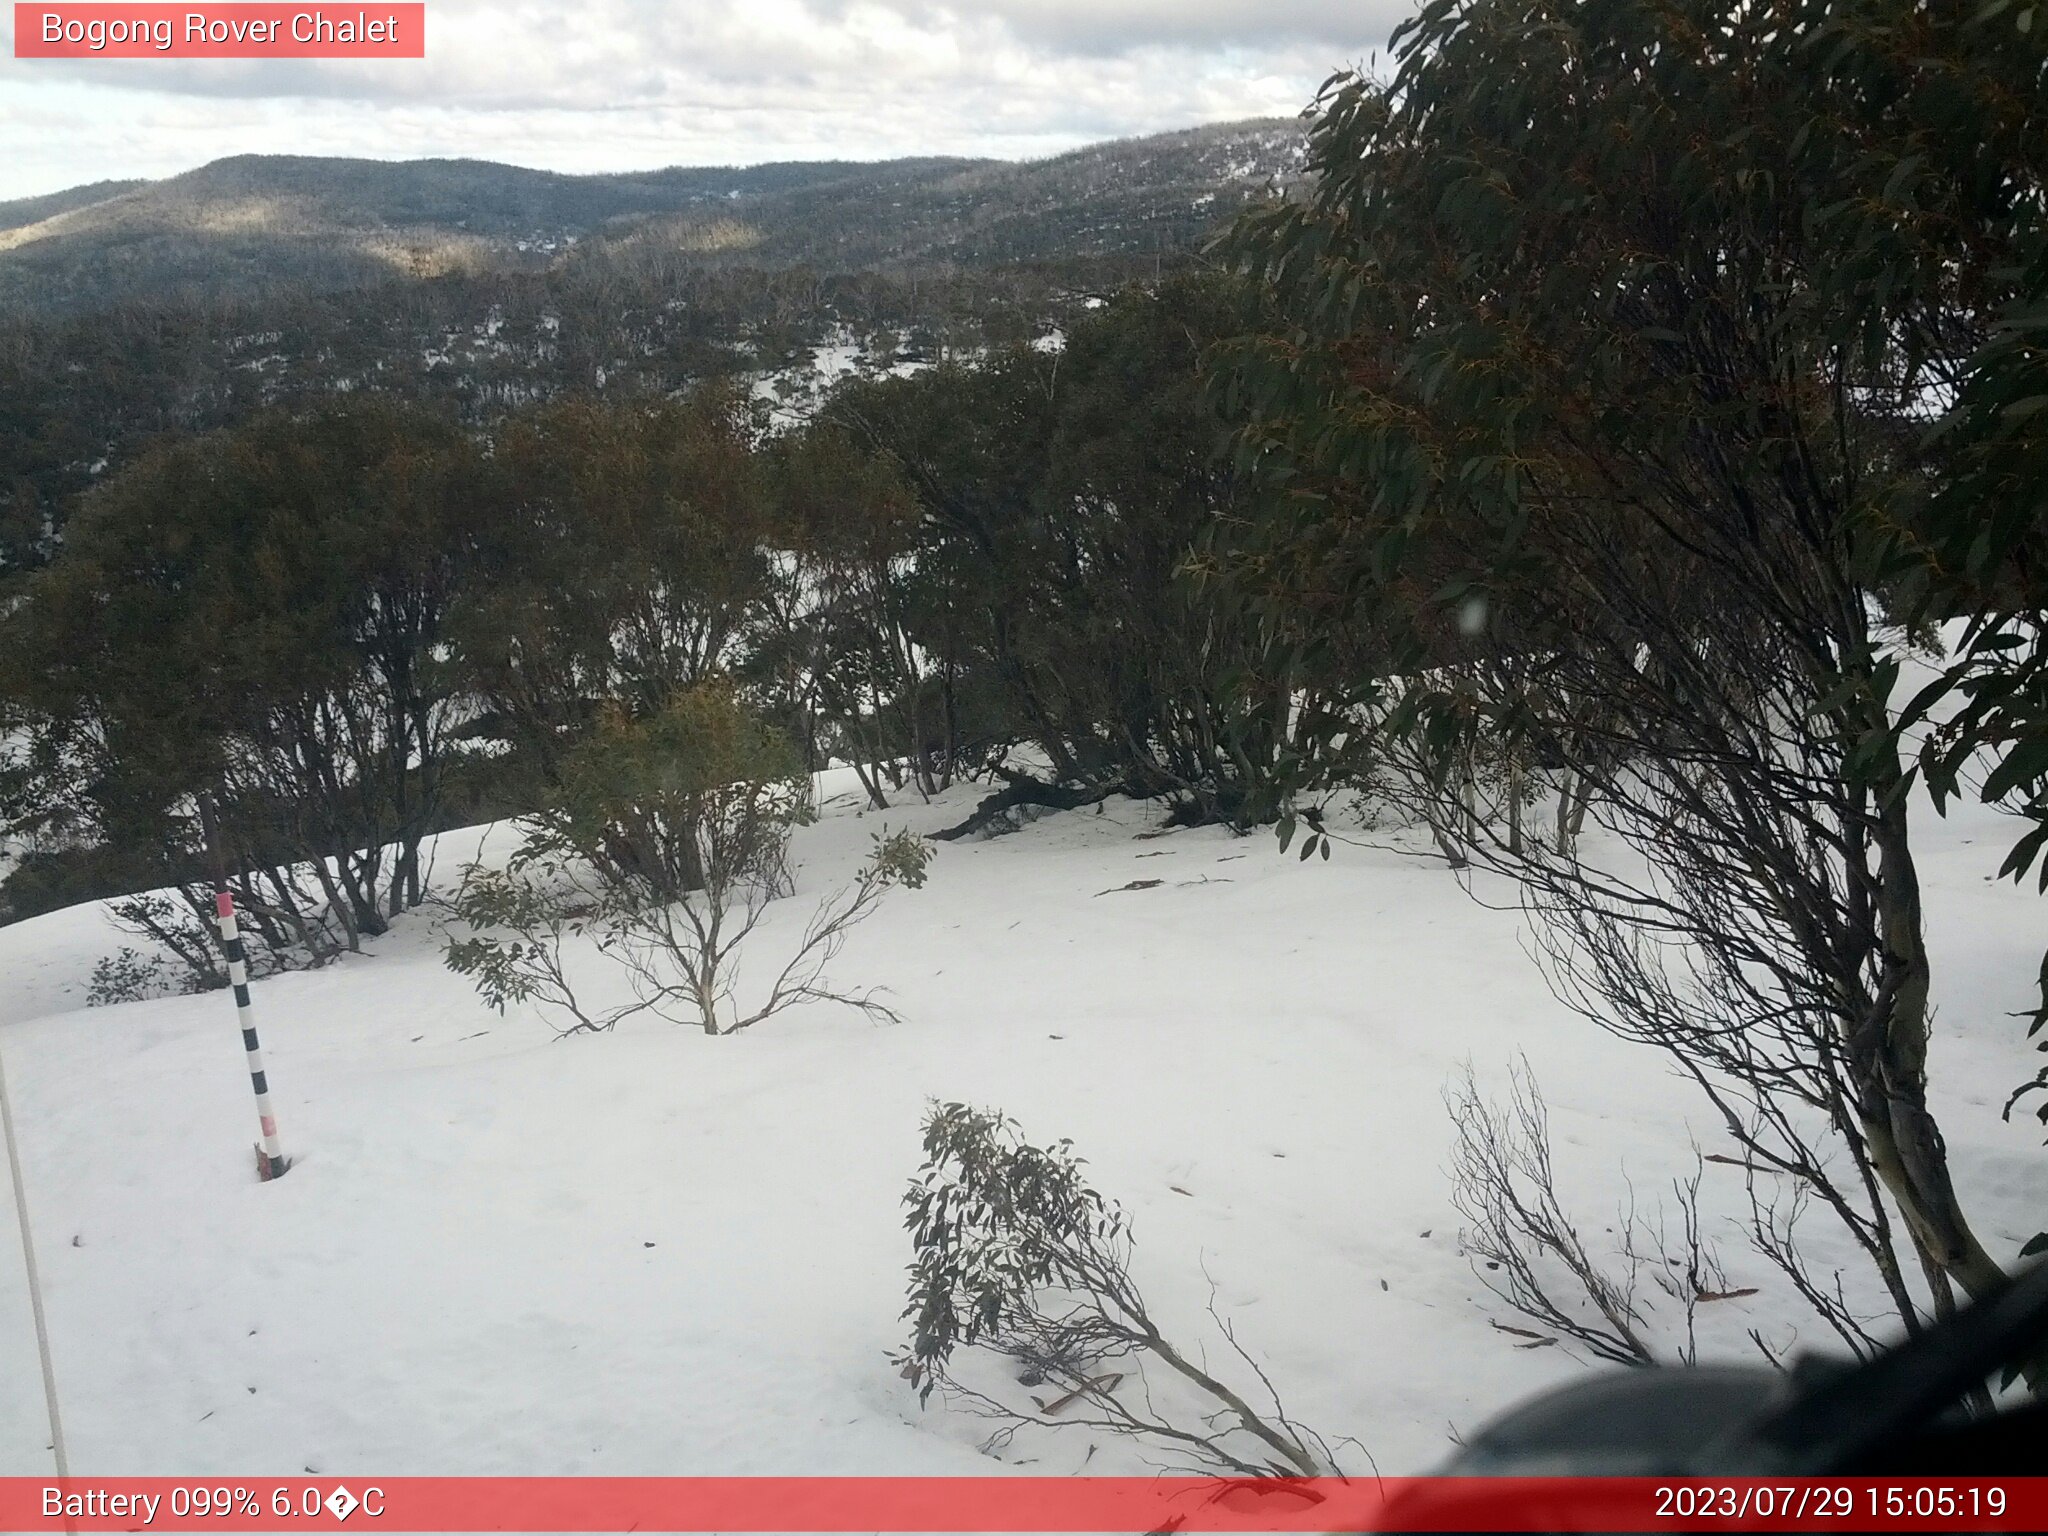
point(128, 976)
point(1017, 1255)
point(1527, 1251)
point(286, 925)
point(524, 965)
point(182, 938)
point(670, 840)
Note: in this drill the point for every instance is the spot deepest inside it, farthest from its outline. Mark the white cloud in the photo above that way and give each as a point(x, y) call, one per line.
point(625, 84)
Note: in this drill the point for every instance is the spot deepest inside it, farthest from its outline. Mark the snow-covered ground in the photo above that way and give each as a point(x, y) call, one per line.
point(795, 394)
point(657, 1252)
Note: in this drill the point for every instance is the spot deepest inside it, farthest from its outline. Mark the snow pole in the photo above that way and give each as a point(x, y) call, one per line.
point(35, 1291)
point(271, 1163)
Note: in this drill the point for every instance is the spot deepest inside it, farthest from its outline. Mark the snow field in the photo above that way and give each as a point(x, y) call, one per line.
point(655, 1252)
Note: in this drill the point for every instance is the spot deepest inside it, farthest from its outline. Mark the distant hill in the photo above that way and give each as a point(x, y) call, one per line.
point(255, 224)
point(1127, 196)
point(25, 211)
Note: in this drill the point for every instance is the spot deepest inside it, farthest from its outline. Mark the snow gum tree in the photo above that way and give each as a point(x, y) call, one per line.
point(1608, 332)
point(629, 565)
point(259, 615)
point(1054, 498)
point(1986, 524)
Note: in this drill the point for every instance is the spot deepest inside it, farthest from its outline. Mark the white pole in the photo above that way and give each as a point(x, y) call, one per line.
point(35, 1284)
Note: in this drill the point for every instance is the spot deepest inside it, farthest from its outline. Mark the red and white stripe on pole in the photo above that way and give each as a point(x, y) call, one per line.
point(271, 1162)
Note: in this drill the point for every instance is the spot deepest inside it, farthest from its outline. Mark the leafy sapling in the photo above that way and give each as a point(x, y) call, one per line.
point(1017, 1255)
point(518, 926)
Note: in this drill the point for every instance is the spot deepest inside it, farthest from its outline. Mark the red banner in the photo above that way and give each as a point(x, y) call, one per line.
point(1022, 1504)
point(368, 29)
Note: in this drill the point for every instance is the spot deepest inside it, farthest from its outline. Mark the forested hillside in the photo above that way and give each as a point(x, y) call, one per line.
point(254, 225)
point(128, 310)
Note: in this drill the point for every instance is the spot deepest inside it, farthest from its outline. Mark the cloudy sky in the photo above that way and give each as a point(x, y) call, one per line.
point(585, 85)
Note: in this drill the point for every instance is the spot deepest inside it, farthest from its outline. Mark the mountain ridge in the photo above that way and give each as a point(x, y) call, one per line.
point(250, 222)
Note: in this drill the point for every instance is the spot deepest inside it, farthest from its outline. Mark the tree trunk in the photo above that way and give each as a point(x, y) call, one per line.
point(1515, 808)
point(1887, 1053)
point(876, 798)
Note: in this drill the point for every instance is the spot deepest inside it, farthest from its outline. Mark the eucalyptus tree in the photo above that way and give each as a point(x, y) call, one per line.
point(628, 565)
point(258, 616)
point(1606, 332)
point(1042, 587)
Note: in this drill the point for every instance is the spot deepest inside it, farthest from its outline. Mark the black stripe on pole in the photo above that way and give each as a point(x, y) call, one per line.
point(270, 1159)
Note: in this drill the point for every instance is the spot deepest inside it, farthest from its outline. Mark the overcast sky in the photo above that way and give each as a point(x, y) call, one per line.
point(588, 85)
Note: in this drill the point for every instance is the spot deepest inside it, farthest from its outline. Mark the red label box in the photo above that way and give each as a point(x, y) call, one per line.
point(365, 29)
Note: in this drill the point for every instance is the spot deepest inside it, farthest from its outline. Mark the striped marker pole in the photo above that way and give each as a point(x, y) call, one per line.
point(271, 1162)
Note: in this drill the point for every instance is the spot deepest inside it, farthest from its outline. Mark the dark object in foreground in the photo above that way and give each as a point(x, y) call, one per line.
point(1898, 1414)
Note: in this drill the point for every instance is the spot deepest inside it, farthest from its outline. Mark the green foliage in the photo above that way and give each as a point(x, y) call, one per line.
point(993, 1221)
point(667, 839)
point(629, 565)
point(258, 614)
point(1972, 540)
point(1528, 258)
point(1014, 1252)
point(144, 311)
point(1040, 591)
point(126, 976)
point(1695, 272)
point(519, 919)
point(46, 879)
point(699, 792)
point(899, 858)
point(1591, 430)
point(495, 964)
point(703, 748)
